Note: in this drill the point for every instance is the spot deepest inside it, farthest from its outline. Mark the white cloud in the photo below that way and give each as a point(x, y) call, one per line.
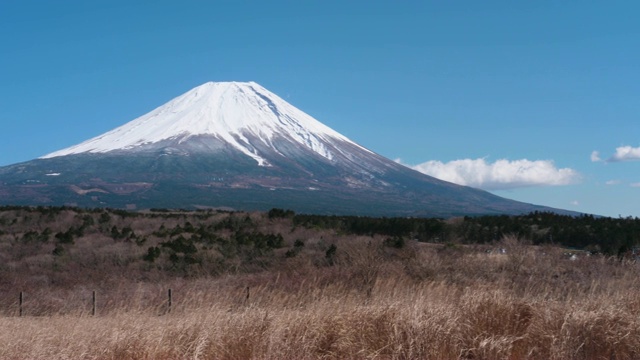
point(635, 184)
point(623, 153)
point(500, 175)
point(613, 182)
point(575, 203)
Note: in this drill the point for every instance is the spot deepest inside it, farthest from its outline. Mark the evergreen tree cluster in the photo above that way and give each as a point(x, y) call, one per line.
point(611, 236)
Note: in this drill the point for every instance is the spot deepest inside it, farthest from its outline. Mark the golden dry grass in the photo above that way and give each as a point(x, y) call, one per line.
point(420, 302)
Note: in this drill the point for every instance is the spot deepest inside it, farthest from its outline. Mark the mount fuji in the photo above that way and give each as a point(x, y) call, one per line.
point(236, 145)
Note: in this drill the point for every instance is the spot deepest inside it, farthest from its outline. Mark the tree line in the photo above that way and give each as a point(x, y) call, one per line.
point(611, 236)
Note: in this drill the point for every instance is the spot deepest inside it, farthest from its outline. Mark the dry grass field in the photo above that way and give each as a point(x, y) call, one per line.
point(367, 300)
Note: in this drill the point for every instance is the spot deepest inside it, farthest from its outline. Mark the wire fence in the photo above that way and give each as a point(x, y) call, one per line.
point(97, 303)
point(39, 305)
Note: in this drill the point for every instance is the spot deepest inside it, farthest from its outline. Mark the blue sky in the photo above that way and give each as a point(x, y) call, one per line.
point(535, 101)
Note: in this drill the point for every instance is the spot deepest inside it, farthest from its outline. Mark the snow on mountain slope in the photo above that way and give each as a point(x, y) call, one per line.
point(237, 113)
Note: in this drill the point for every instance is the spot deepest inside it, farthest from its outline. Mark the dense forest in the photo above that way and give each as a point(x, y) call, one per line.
point(611, 236)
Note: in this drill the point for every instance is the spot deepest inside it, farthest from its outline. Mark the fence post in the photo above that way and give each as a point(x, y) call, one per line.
point(169, 302)
point(20, 302)
point(93, 303)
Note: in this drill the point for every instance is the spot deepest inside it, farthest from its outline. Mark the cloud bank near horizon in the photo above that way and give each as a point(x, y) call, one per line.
point(502, 174)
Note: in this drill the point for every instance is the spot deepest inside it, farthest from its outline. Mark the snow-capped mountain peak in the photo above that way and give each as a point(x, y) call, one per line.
point(235, 145)
point(243, 115)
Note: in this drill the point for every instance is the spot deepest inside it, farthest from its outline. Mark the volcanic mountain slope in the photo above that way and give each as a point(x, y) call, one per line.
point(238, 146)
